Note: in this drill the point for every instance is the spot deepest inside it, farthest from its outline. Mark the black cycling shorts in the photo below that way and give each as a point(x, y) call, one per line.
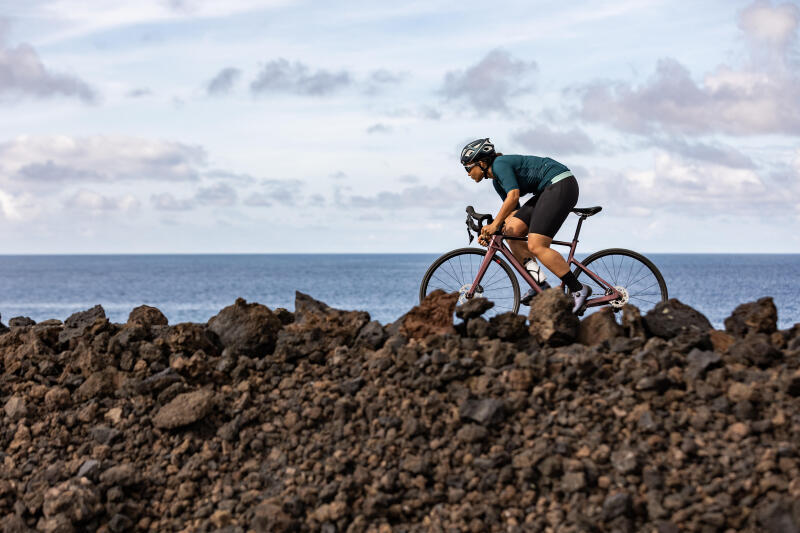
point(546, 212)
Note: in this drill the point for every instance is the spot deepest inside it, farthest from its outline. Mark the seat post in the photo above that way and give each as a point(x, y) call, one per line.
point(578, 228)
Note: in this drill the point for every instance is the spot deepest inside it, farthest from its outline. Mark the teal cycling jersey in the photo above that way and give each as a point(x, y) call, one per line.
point(528, 173)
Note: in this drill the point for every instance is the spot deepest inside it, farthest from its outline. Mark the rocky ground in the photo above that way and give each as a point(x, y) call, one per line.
point(322, 420)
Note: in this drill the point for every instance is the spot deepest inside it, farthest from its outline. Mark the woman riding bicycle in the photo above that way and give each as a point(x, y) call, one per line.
point(555, 192)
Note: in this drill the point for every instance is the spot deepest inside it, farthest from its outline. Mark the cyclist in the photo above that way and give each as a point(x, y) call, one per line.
point(555, 192)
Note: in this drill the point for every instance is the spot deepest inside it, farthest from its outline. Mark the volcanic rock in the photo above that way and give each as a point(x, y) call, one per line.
point(473, 308)
point(599, 327)
point(246, 329)
point(352, 426)
point(147, 316)
point(21, 322)
point(669, 319)
point(184, 409)
point(551, 319)
point(77, 323)
point(760, 316)
point(433, 316)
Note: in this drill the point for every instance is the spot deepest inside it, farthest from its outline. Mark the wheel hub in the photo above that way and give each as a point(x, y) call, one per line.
point(462, 293)
point(623, 297)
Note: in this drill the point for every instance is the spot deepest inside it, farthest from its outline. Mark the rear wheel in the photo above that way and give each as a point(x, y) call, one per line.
point(634, 276)
point(455, 272)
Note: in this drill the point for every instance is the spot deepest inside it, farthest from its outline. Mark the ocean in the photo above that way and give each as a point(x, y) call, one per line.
point(193, 288)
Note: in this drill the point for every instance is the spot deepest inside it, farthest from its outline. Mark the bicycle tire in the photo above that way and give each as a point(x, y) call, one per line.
point(460, 280)
point(640, 286)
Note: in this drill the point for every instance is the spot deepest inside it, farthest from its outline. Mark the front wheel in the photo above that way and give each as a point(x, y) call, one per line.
point(634, 276)
point(455, 272)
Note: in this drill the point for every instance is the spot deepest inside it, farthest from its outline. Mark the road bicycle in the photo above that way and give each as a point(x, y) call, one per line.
point(475, 272)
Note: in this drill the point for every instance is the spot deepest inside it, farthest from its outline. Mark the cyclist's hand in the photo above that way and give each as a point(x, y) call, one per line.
point(482, 240)
point(489, 230)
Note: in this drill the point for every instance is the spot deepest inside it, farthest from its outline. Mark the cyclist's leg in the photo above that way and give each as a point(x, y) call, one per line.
point(517, 225)
point(516, 228)
point(555, 204)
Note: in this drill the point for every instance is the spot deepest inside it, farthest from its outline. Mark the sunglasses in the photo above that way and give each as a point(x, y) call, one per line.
point(469, 167)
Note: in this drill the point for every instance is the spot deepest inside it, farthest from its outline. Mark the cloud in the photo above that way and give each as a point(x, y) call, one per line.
point(19, 207)
point(747, 99)
point(23, 74)
point(167, 202)
point(379, 128)
point(774, 26)
point(690, 187)
point(296, 78)
point(281, 192)
point(544, 140)
point(713, 153)
point(85, 200)
point(379, 80)
point(30, 161)
point(223, 82)
point(489, 84)
point(446, 194)
point(219, 195)
point(138, 93)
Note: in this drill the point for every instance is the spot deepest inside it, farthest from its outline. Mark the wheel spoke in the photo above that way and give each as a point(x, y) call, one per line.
point(498, 283)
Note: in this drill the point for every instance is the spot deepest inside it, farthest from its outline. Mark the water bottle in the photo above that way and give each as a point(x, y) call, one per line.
point(535, 271)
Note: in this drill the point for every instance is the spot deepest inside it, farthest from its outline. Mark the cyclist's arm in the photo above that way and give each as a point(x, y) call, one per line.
point(510, 204)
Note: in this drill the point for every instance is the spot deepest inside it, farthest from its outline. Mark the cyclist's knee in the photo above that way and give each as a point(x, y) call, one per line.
point(515, 227)
point(537, 248)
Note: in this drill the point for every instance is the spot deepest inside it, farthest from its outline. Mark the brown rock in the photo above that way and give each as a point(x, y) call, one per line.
point(76, 499)
point(434, 315)
point(741, 392)
point(98, 385)
point(721, 340)
point(16, 408)
point(760, 316)
point(147, 316)
point(551, 319)
point(598, 327)
point(57, 397)
point(185, 409)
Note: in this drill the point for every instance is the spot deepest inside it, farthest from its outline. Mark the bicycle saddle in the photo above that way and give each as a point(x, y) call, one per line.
point(587, 211)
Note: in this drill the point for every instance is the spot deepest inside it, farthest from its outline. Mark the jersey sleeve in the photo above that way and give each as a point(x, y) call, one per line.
point(499, 189)
point(504, 174)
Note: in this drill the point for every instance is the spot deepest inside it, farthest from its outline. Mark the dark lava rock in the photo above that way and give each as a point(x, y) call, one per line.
point(782, 516)
point(78, 323)
point(246, 329)
point(756, 350)
point(551, 319)
point(473, 308)
point(151, 427)
point(760, 316)
point(701, 362)
point(372, 336)
point(483, 411)
point(507, 327)
point(668, 319)
point(616, 504)
point(21, 322)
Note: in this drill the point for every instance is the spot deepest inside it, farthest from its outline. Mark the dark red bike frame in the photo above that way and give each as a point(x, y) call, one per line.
point(496, 244)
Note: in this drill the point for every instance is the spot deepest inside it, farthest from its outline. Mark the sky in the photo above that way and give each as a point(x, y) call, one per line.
point(281, 126)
